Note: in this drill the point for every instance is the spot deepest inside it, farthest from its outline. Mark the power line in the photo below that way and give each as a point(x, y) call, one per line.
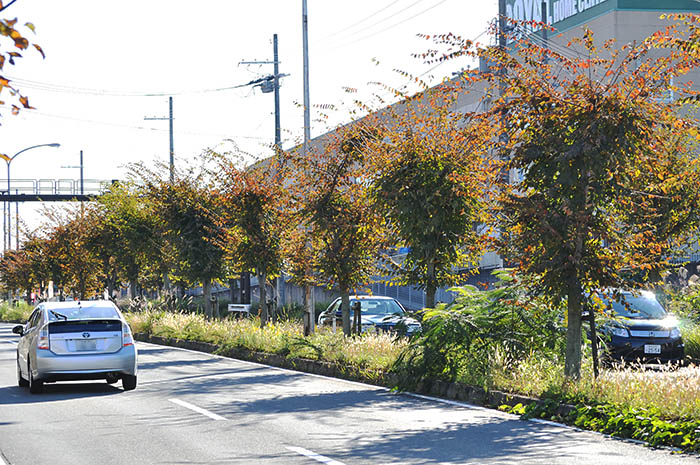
point(127, 126)
point(388, 27)
point(365, 19)
point(57, 88)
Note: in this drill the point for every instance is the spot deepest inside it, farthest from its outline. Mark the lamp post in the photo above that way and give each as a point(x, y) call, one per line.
point(8, 160)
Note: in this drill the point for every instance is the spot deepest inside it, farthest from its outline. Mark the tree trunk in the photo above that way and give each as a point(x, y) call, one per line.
point(262, 285)
point(167, 285)
point(430, 287)
point(309, 311)
point(594, 340)
point(572, 365)
point(206, 285)
point(345, 309)
point(110, 288)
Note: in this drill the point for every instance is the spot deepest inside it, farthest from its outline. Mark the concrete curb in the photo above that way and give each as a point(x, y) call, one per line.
point(438, 391)
point(441, 389)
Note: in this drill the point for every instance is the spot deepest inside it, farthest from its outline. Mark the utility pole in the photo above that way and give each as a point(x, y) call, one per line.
point(502, 45)
point(17, 222)
point(308, 290)
point(268, 84)
point(278, 150)
point(545, 20)
point(80, 166)
point(172, 145)
point(278, 128)
point(305, 39)
point(502, 27)
point(82, 180)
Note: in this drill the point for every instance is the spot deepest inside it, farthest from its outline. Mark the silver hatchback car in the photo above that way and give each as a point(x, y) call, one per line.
point(77, 340)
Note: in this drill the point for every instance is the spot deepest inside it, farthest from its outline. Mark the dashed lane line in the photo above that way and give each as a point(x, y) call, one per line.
point(194, 408)
point(315, 456)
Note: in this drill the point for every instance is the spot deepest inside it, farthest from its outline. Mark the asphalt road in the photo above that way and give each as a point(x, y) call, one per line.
point(192, 408)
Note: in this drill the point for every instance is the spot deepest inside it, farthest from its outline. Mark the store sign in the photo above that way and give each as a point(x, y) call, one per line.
point(557, 10)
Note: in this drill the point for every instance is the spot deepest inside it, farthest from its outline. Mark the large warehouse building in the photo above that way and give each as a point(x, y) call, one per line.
point(626, 21)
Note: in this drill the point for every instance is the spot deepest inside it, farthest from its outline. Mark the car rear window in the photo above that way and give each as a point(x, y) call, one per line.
point(81, 313)
point(79, 326)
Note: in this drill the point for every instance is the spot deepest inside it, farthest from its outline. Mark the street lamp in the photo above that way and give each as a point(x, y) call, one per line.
point(8, 160)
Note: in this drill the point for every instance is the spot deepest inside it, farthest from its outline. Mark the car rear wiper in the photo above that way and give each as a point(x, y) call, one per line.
point(59, 315)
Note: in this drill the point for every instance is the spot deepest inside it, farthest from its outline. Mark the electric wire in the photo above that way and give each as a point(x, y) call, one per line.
point(536, 39)
point(57, 88)
point(385, 29)
point(359, 22)
point(128, 126)
point(376, 23)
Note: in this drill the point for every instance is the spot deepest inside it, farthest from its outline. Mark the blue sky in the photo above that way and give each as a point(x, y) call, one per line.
point(103, 57)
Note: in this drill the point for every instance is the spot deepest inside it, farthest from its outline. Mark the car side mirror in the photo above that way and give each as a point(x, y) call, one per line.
point(19, 329)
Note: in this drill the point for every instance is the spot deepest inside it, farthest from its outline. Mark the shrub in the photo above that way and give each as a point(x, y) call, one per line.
point(167, 303)
point(691, 339)
point(479, 332)
point(15, 313)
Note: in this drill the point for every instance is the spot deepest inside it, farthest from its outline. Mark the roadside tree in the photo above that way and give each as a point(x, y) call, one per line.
point(190, 214)
point(16, 272)
point(74, 264)
point(609, 174)
point(253, 201)
point(130, 239)
point(431, 176)
point(343, 230)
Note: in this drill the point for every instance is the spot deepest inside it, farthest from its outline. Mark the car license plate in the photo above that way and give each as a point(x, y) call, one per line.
point(652, 349)
point(82, 345)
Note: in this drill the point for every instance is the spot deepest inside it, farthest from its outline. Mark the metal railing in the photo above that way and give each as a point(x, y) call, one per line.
point(56, 186)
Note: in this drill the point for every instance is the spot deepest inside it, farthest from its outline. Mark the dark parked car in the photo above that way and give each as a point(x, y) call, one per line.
point(640, 329)
point(379, 313)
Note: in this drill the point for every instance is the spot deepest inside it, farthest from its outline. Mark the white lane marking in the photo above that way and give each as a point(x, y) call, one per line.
point(2, 460)
point(457, 403)
point(494, 412)
point(315, 456)
point(207, 413)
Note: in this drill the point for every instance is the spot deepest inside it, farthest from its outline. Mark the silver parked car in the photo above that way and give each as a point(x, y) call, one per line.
point(77, 340)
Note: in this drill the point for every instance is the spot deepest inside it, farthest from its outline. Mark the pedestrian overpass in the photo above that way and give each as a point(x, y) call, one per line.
point(52, 190)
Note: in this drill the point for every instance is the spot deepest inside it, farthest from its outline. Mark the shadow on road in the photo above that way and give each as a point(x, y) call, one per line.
point(56, 392)
point(488, 440)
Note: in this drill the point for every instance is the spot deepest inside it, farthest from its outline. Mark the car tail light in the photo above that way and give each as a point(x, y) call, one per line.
point(42, 341)
point(127, 338)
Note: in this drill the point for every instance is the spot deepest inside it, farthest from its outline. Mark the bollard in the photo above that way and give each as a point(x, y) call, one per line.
point(357, 317)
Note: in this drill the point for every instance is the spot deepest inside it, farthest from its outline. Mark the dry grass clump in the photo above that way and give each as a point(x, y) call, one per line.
point(674, 392)
point(369, 351)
